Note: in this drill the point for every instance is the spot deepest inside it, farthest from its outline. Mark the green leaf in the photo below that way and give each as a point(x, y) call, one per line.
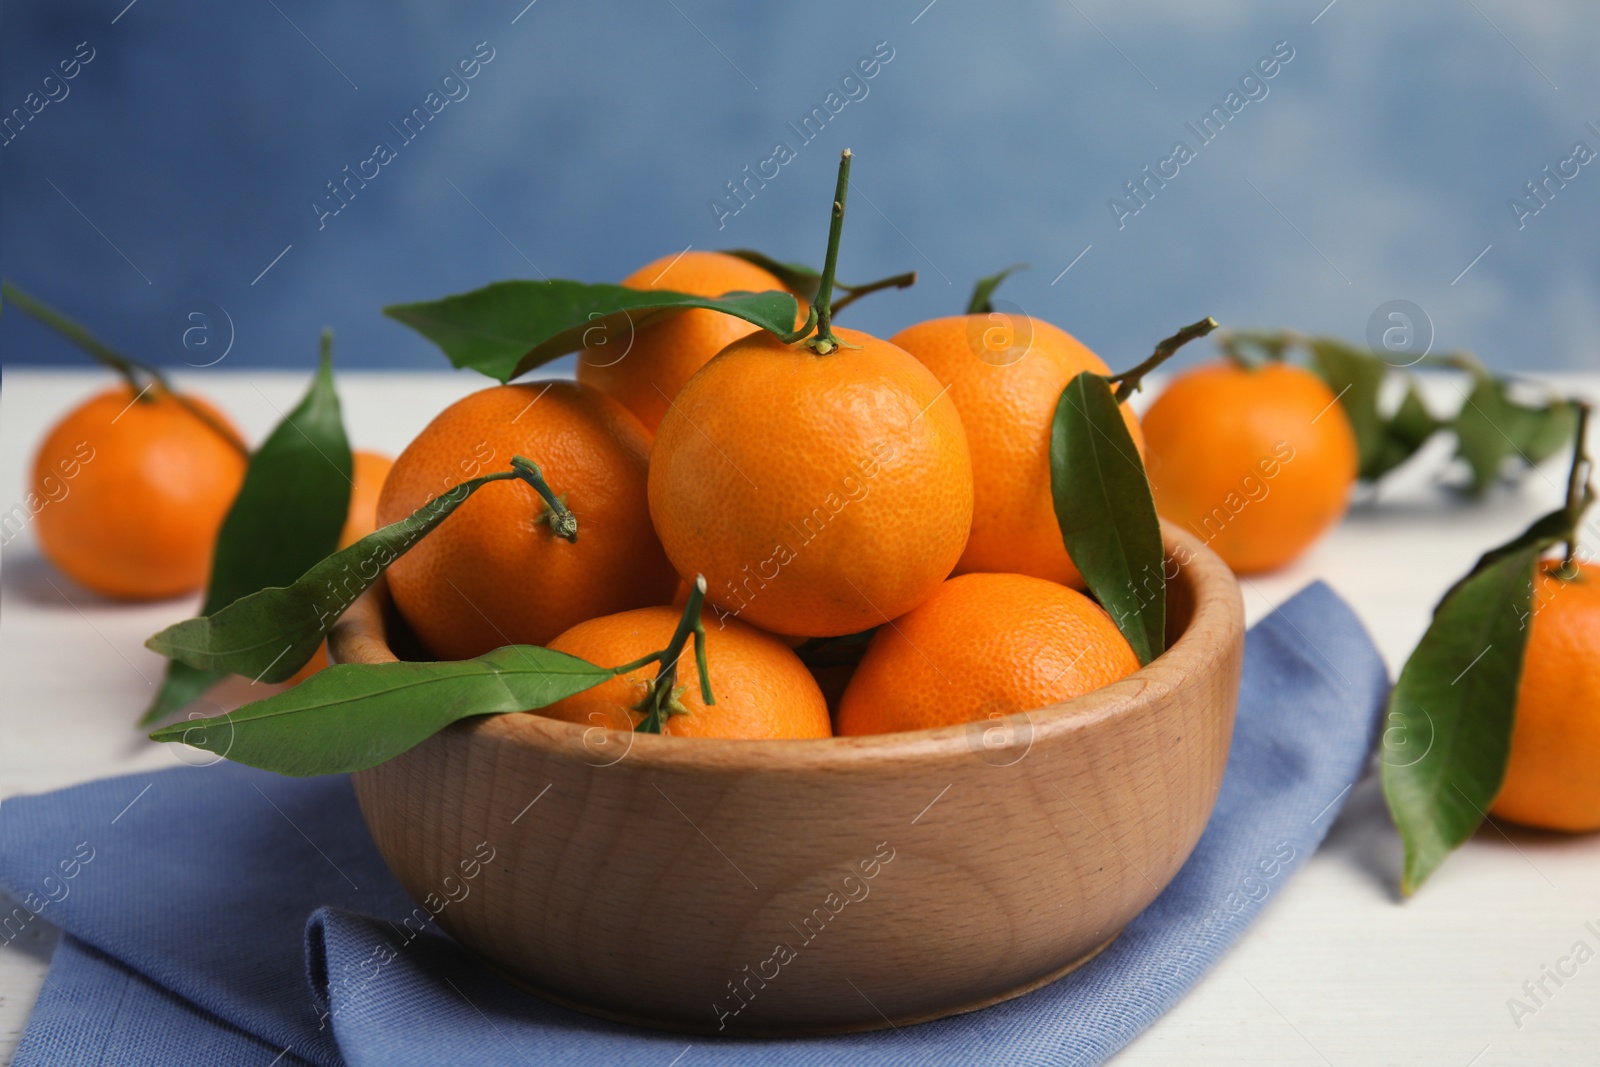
point(981, 304)
point(1106, 513)
point(1356, 377)
point(273, 632)
point(1406, 431)
point(1546, 530)
point(357, 715)
point(1479, 427)
point(1449, 724)
point(796, 277)
point(287, 516)
point(294, 501)
point(1538, 432)
point(181, 686)
point(506, 329)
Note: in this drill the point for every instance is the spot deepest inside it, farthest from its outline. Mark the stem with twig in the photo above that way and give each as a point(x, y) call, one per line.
point(856, 292)
point(128, 367)
point(1127, 382)
point(825, 342)
point(661, 702)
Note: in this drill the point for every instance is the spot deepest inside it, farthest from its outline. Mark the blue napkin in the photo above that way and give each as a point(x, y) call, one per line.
point(226, 915)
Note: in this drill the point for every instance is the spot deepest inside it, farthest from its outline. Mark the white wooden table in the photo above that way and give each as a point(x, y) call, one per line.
point(1337, 971)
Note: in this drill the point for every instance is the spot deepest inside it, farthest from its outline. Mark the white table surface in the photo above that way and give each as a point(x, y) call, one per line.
point(1337, 970)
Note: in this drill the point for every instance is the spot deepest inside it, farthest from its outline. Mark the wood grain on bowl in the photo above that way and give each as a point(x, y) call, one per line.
point(813, 886)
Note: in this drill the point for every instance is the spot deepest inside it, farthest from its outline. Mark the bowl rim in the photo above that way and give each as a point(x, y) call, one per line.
point(1216, 622)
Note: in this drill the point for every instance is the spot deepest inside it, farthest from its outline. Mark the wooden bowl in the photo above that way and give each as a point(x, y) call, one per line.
point(789, 887)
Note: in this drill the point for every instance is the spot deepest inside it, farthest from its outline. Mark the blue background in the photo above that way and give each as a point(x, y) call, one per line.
point(189, 151)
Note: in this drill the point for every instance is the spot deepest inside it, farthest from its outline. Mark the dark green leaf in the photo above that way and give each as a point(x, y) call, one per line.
point(1537, 433)
point(796, 277)
point(181, 686)
point(1412, 423)
point(294, 501)
point(1544, 531)
point(981, 304)
point(506, 329)
point(287, 516)
point(272, 633)
point(1481, 438)
point(357, 715)
point(1355, 377)
point(1406, 431)
point(1106, 513)
point(1450, 716)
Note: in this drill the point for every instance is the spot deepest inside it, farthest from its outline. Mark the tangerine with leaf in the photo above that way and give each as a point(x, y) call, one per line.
point(823, 485)
point(514, 565)
point(1005, 373)
point(647, 370)
point(130, 487)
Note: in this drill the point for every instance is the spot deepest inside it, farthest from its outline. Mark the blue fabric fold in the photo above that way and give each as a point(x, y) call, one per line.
point(250, 916)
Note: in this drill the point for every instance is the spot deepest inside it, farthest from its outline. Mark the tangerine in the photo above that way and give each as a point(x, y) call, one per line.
point(495, 573)
point(984, 645)
point(819, 494)
point(130, 488)
point(762, 689)
point(664, 354)
point(1005, 378)
point(1256, 462)
point(1551, 779)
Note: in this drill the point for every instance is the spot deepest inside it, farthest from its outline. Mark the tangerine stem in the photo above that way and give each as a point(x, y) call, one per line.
point(856, 292)
point(825, 342)
point(563, 523)
point(128, 367)
point(1578, 487)
point(1127, 382)
point(662, 699)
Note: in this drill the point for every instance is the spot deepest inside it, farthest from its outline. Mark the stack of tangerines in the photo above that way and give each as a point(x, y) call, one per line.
point(823, 488)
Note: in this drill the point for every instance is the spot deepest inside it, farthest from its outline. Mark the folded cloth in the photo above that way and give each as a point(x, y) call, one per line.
point(227, 915)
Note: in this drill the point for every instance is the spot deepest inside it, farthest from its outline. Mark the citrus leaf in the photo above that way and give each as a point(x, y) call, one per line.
point(181, 686)
point(1356, 378)
point(981, 304)
point(293, 502)
point(1449, 721)
point(506, 329)
point(1406, 431)
point(357, 715)
point(1106, 513)
point(1546, 530)
point(1481, 439)
point(1538, 432)
point(273, 632)
point(796, 277)
point(287, 515)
